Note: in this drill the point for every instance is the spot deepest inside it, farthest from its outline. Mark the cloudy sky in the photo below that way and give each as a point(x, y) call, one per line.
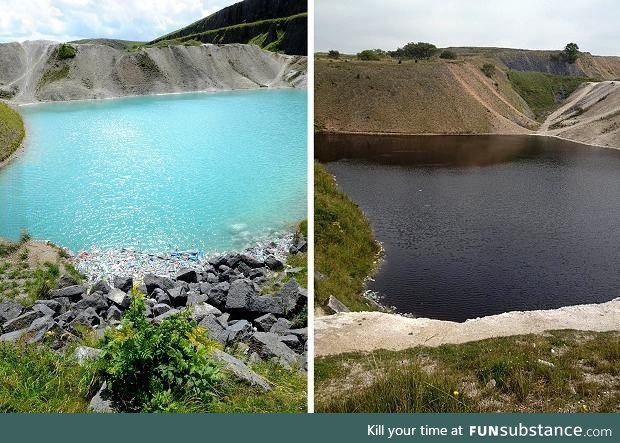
point(353, 25)
point(65, 20)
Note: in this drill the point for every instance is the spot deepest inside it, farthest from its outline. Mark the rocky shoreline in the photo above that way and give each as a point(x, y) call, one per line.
point(247, 302)
point(98, 264)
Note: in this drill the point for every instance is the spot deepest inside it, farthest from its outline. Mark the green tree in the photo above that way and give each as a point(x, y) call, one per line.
point(333, 54)
point(570, 53)
point(417, 51)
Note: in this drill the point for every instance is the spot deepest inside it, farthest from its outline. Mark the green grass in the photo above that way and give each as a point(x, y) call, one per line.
point(288, 393)
point(510, 374)
point(12, 131)
point(53, 75)
point(65, 51)
point(543, 92)
point(345, 251)
point(37, 379)
point(254, 33)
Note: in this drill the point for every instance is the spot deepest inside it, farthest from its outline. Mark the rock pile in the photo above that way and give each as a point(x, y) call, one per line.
point(223, 295)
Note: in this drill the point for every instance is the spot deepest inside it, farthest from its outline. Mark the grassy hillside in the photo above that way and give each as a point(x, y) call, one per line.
point(287, 35)
point(279, 26)
point(450, 96)
point(11, 131)
point(345, 251)
point(427, 97)
point(561, 371)
point(543, 92)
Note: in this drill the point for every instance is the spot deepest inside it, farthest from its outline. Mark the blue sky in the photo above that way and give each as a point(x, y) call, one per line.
point(65, 20)
point(353, 25)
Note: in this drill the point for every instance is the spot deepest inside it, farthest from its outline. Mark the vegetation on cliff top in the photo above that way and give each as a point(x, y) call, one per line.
point(345, 251)
point(560, 371)
point(12, 131)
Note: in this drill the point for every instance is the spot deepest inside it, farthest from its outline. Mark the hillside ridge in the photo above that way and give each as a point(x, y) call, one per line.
point(34, 71)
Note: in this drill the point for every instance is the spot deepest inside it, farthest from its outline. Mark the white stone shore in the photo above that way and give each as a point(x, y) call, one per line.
point(104, 264)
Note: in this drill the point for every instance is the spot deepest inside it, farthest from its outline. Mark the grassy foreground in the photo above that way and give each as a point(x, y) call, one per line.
point(561, 371)
point(345, 251)
point(11, 131)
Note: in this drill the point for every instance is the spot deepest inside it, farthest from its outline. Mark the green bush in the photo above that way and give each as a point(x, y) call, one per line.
point(66, 51)
point(164, 367)
point(369, 54)
point(488, 69)
point(447, 54)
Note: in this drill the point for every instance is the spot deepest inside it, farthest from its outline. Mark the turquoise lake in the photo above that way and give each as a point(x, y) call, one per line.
point(208, 171)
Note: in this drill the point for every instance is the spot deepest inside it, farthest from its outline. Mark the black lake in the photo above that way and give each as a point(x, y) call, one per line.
point(479, 225)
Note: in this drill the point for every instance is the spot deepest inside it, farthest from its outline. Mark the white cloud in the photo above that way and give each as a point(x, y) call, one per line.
point(64, 20)
point(353, 25)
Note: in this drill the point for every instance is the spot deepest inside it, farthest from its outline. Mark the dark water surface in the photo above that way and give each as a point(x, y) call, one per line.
point(479, 225)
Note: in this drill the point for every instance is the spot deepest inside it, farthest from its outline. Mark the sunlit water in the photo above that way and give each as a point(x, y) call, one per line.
point(213, 171)
point(479, 225)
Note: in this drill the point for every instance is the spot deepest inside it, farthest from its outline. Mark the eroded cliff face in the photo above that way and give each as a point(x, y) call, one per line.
point(33, 71)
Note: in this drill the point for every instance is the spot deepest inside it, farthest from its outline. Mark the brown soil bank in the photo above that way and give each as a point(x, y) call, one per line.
point(367, 331)
point(450, 96)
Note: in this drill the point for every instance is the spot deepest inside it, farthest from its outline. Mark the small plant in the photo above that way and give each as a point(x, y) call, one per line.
point(42, 281)
point(488, 69)
point(65, 51)
point(448, 55)
point(165, 367)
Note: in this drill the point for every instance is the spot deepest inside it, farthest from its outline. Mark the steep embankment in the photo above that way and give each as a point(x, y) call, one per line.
point(435, 97)
point(590, 115)
point(366, 331)
point(34, 71)
point(451, 96)
point(549, 62)
point(11, 132)
point(276, 25)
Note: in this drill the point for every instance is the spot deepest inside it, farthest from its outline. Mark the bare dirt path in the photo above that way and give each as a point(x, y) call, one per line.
point(367, 331)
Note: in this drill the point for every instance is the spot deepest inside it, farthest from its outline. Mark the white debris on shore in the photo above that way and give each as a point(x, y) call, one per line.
point(97, 264)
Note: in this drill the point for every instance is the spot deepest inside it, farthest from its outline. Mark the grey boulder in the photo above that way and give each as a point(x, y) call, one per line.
point(124, 283)
point(9, 309)
point(119, 298)
point(73, 293)
point(187, 275)
point(241, 370)
point(265, 322)
point(268, 345)
point(153, 282)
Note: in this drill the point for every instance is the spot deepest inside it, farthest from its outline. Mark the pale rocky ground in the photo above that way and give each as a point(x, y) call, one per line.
point(367, 331)
point(31, 72)
point(590, 115)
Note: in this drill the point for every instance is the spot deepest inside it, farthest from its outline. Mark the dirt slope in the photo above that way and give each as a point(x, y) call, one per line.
point(32, 71)
point(590, 115)
point(366, 331)
point(436, 97)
